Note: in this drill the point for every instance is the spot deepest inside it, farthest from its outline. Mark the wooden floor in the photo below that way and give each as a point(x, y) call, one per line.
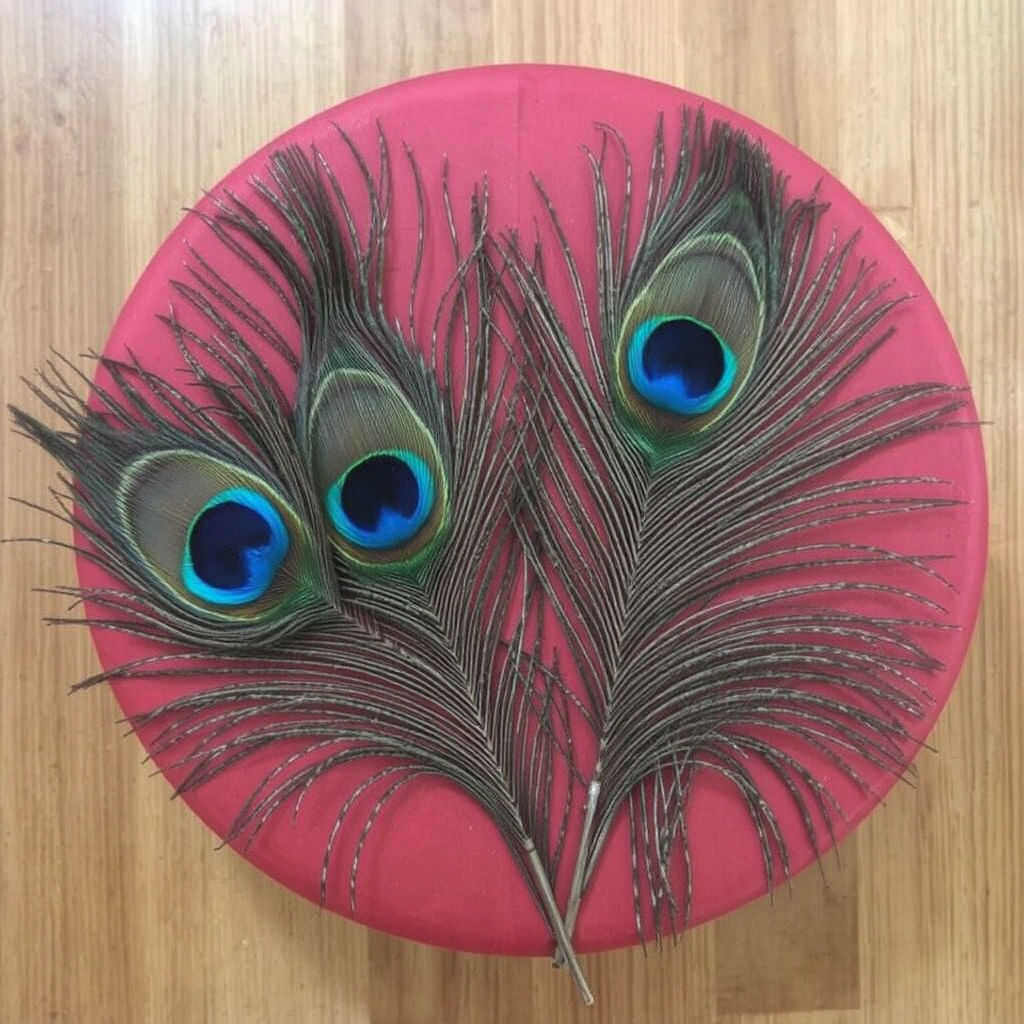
point(113, 904)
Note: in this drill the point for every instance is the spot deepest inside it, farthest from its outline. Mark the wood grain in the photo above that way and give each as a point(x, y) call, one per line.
point(114, 906)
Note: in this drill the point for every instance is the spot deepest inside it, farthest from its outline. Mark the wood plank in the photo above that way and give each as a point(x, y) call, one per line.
point(114, 904)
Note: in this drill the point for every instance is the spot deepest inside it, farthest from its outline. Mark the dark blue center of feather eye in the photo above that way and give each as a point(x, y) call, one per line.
point(680, 364)
point(234, 547)
point(383, 500)
point(687, 350)
point(221, 538)
point(375, 484)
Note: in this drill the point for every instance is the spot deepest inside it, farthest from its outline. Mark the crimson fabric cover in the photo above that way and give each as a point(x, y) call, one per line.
point(434, 868)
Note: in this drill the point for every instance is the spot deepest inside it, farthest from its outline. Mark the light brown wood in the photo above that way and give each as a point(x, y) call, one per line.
point(114, 905)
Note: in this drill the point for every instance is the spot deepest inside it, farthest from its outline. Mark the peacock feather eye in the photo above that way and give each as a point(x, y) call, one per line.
point(234, 548)
point(223, 540)
point(383, 500)
point(680, 364)
point(690, 337)
point(378, 470)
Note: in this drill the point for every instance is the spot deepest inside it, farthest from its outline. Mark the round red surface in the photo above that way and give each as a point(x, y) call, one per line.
point(434, 868)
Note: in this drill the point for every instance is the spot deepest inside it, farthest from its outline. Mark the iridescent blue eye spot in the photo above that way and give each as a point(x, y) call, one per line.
point(382, 500)
point(234, 546)
point(680, 364)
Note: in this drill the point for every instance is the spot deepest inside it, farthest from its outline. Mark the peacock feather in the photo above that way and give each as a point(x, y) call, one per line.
point(339, 567)
point(698, 503)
